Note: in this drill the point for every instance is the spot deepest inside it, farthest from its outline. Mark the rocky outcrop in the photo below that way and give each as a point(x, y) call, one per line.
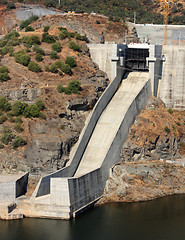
point(165, 148)
point(157, 133)
point(143, 181)
point(25, 94)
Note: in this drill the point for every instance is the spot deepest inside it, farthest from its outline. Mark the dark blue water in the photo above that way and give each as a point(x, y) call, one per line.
point(161, 219)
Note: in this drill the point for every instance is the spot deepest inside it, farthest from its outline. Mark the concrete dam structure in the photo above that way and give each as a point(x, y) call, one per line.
point(136, 72)
point(175, 33)
point(67, 192)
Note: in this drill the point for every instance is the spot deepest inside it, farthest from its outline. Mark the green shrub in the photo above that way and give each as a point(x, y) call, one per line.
point(1, 146)
point(33, 18)
point(3, 42)
point(38, 50)
point(38, 57)
point(13, 42)
point(31, 40)
point(47, 68)
point(67, 91)
point(60, 88)
point(59, 63)
point(74, 86)
point(48, 38)
point(3, 119)
point(10, 5)
point(6, 49)
point(18, 108)
point(11, 52)
point(66, 69)
point(6, 130)
point(27, 45)
point(170, 110)
point(46, 29)
point(22, 58)
point(34, 67)
point(7, 136)
point(28, 50)
point(28, 21)
point(50, 3)
point(11, 119)
point(54, 68)
point(71, 62)
point(31, 111)
point(4, 104)
point(18, 119)
point(42, 115)
point(54, 55)
point(29, 29)
point(10, 114)
point(62, 126)
point(78, 36)
point(18, 128)
point(18, 142)
point(4, 69)
point(62, 28)
point(60, 73)
point(12, 34)
point(40, 104)
point(166, 129)
point(74, 46)
point(178, 123)
point(4, 77)
point(63, 34)
point(56, 47)
point(97, 22)
point(71, 34)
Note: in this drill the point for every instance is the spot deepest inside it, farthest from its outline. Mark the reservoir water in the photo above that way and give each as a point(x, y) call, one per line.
point(161, 219)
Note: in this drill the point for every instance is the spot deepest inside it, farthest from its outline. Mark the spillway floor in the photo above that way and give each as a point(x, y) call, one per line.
point(110, 121)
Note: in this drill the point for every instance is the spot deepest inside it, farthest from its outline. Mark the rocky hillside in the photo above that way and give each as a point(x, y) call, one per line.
point(133, 182)
point(157, 135)
point(146, 11)
point(86, 24)
point(55, 68)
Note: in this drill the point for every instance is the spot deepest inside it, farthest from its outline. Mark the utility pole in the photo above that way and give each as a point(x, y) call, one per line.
point(59, 2)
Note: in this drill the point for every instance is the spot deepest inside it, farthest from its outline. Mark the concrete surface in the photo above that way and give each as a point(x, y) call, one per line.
point(172, 83)
point(176, 33)
point(110, 121)
point(106, 56)
point(12, 186)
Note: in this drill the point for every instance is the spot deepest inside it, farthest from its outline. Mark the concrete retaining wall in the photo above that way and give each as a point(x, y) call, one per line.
point(106, 56)
point(21, 185)
point(13, 187)
point(7, 191)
